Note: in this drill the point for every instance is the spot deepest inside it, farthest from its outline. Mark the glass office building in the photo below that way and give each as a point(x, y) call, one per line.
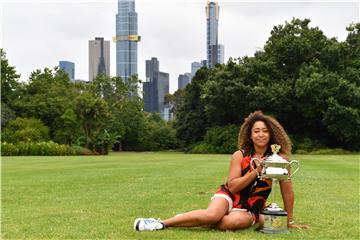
point(155, 88)
point(212, 20)
point(183, 80)
point(221, 53)
point(69, 68)
point(126, 39)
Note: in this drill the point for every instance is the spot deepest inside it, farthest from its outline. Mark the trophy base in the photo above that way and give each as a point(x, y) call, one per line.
point(275, 220)
point(272, 231)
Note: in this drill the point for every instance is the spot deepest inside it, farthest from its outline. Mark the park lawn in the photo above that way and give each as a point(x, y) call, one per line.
point(99, 197)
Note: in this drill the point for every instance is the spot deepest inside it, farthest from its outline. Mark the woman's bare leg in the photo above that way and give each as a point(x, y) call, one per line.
point(216, 210)
point(235, 220)
point(261, 220)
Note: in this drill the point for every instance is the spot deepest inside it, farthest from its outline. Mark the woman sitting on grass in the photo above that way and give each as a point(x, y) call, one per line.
point(237, 204)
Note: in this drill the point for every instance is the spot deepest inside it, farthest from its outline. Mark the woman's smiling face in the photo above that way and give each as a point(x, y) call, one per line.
point(260, 134)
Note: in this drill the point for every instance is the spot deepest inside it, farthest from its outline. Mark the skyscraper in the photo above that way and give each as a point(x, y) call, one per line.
point(183, 80)
point(69, 68)
point(126, 39)
point(163, 89)
point(214, 51)
point(150, 93)
point(99, 58)
point(221, 53)
point(152, 66)
point(155, 88)
point(196, 66)
point(212, 20)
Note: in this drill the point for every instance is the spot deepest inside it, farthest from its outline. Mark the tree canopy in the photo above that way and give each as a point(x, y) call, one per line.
point(309, 82)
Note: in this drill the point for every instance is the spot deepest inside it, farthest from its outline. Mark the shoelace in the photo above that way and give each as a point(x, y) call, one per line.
point(152, 223)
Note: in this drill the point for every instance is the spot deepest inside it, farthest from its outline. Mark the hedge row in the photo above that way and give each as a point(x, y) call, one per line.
point(36, 149)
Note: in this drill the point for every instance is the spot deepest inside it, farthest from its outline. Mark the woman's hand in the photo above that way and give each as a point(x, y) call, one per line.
point(298, 226)
point(260, 166)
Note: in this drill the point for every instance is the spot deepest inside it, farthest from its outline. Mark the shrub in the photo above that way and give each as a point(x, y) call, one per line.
point(157, 135)
point(25, 130)
point(302, 152)
point(305, 144)
point(9, 149)
point(83, 151)
point(35, 149)
point(329, 151)
point(163, 137)
point(202, 148)
point(219, 140)
point(104, 141)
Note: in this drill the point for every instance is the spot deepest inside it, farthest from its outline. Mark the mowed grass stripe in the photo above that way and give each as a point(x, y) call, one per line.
point(98, 197)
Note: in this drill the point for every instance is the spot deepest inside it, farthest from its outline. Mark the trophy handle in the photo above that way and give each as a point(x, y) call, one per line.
point(257, 161)
point(297, 169)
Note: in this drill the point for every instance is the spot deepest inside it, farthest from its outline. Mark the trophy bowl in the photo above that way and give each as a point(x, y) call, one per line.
point(275, 166)
point(276, 172)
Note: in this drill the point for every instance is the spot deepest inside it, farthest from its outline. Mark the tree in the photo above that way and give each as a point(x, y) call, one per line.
point(25, 130)
point(218, 92)
point(132, 119)
point(329, 97)
point(67, 128)
point(127, 120)
point(158, 134)
point(191, 122)
point(9, 80)
point(7, 114)
point(92, 114)
point(174, 100)
point(351, 53)
point(293, 44)
point(46, 96)
point(222, 139)
point(343, 123)
point(301, 77)
point(9, 89)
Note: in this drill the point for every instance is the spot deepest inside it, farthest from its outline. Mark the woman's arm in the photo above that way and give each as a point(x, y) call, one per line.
point(288, 197)
point(235, 181)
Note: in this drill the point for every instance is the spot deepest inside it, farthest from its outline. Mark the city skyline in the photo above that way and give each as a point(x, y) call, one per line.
point(167, 31)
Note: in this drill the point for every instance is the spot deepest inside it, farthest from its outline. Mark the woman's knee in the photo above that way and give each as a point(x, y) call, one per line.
point(242, 223)
point(212, 217)
point(235, 222)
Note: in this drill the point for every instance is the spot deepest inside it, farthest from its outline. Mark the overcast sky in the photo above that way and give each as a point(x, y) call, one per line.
point(38, 34)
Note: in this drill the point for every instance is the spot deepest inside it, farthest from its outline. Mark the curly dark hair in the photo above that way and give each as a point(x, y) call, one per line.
point(277, 134)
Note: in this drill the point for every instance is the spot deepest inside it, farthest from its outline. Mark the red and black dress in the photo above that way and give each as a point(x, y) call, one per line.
point(251, 198)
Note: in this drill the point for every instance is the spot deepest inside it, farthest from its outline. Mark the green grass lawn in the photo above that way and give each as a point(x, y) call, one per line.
point(99, 197)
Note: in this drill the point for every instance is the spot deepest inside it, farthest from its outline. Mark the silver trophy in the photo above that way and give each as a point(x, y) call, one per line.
point(275, 168)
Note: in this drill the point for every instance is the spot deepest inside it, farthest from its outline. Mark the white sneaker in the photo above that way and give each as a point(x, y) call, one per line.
point(148, 224)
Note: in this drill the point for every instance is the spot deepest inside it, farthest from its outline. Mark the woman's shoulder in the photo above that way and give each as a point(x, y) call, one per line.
point(239, 154)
